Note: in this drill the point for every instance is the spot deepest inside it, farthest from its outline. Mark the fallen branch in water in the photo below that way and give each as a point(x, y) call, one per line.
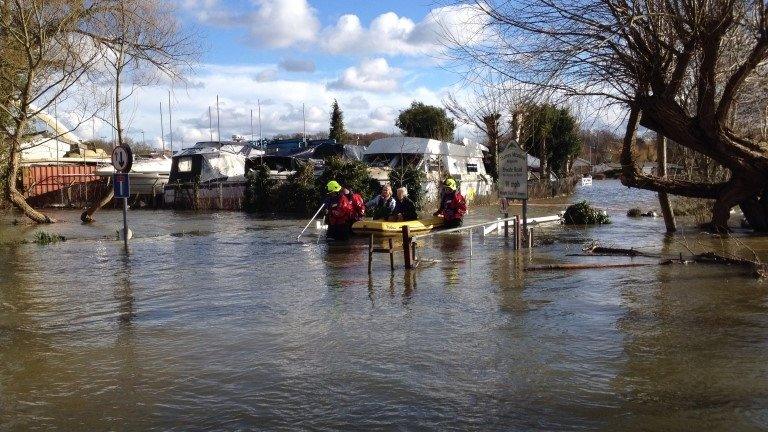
point(569, 266)
point(758, 268)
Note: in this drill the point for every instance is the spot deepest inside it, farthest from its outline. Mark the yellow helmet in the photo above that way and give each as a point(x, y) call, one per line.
point(334, 186)
point(450, 184)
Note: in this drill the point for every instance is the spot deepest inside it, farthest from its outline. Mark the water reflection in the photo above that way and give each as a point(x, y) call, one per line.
point(241, 327)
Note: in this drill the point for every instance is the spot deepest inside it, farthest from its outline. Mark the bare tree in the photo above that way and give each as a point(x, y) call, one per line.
point(40, 62)
point(679, 67)
point(490, 106)
point(49, 46)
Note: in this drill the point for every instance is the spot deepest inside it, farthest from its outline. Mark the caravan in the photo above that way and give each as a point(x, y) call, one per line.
point(463, 162)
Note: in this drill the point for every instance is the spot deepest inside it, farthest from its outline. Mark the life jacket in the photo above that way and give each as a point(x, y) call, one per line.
point(453, 206)
point(358, 205)
point(340, 211)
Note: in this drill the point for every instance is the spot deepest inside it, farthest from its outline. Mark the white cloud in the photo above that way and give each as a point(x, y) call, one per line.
point(372, 75)
point(391, 34)
point(271, 23)
point(297, 65)
point(266, 75)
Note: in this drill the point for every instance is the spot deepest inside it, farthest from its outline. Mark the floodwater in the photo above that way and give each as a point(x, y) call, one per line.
point(226, 322)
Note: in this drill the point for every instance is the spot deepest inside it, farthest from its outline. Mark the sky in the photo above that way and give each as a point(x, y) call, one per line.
point(374, 57)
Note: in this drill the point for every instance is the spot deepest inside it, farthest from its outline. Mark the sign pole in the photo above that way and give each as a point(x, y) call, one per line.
point(122, 161)
point(125, 222)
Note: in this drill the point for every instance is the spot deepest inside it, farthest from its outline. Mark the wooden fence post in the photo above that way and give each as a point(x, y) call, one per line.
point(407, 257)
point(391, 254)
point(370, 253)
point(506, 224)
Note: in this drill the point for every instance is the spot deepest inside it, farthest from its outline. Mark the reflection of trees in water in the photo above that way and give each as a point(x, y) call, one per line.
point(506, 268)
point(17, 333)
point(693, 351)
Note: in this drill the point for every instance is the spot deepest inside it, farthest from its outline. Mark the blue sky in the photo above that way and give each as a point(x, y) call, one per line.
point(374, 57)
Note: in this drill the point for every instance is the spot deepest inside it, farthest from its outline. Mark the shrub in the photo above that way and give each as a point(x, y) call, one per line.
point(583, 214)
point(44, 238)
point(299, 194)
point(411, 178)
point(350, 173)
point(634, 212)
point(260, 189)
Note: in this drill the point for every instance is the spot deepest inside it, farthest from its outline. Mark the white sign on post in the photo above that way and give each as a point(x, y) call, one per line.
point(122, 159)
point(513, 172)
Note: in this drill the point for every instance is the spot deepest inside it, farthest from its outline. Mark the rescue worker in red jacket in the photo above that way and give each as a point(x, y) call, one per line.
point(453, 207)
point(339, 212)
point(358, 205)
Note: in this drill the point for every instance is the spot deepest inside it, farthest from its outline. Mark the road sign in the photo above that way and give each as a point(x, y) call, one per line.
point(122, 185)
point(513, 172)
point(122, 158)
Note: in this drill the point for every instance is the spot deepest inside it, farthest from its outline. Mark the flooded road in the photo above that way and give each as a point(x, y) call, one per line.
point(226, 322)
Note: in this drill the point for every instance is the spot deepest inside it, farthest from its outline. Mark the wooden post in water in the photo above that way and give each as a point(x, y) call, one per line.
point(529, 237)
point(407, 256)
point(370, 253)
point(391, 254)
point(518, 234)
point(666, 208)
point(506, 225)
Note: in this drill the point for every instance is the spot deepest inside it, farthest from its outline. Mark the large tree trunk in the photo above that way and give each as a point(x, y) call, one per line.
point(746, 161)
point(13, 195)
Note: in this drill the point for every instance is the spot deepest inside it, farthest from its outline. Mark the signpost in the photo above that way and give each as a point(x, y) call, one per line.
point(513, 176)
point(122, 160)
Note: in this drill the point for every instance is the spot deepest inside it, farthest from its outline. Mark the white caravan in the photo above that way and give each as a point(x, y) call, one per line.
point(463, 162)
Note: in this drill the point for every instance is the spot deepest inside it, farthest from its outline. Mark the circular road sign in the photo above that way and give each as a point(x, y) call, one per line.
point(122, 158)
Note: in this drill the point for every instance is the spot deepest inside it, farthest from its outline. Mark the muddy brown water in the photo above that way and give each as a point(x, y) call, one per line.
point(226, 322)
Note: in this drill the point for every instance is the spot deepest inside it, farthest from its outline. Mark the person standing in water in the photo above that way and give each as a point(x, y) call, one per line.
point(339, 213)
point(358, 205)
point(453, 207)
point(383, 204)
point(405, 210)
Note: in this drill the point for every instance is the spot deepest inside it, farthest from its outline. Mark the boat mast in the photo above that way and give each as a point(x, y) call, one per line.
point(218, 122)
point(251, 126)
point(304, 116)
point(210, 124)
point(258, 101)
point(162, 130)
point(170, 122)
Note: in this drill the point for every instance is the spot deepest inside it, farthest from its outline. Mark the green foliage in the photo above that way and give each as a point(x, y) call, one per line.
point(301, 193)
point(44, 238)
point(297, 194)
point(582, 213)
point(260, 189)
point(349, 173)
point(556, 131)
point(413, 179)
point(337, 131)
point(425, 121)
